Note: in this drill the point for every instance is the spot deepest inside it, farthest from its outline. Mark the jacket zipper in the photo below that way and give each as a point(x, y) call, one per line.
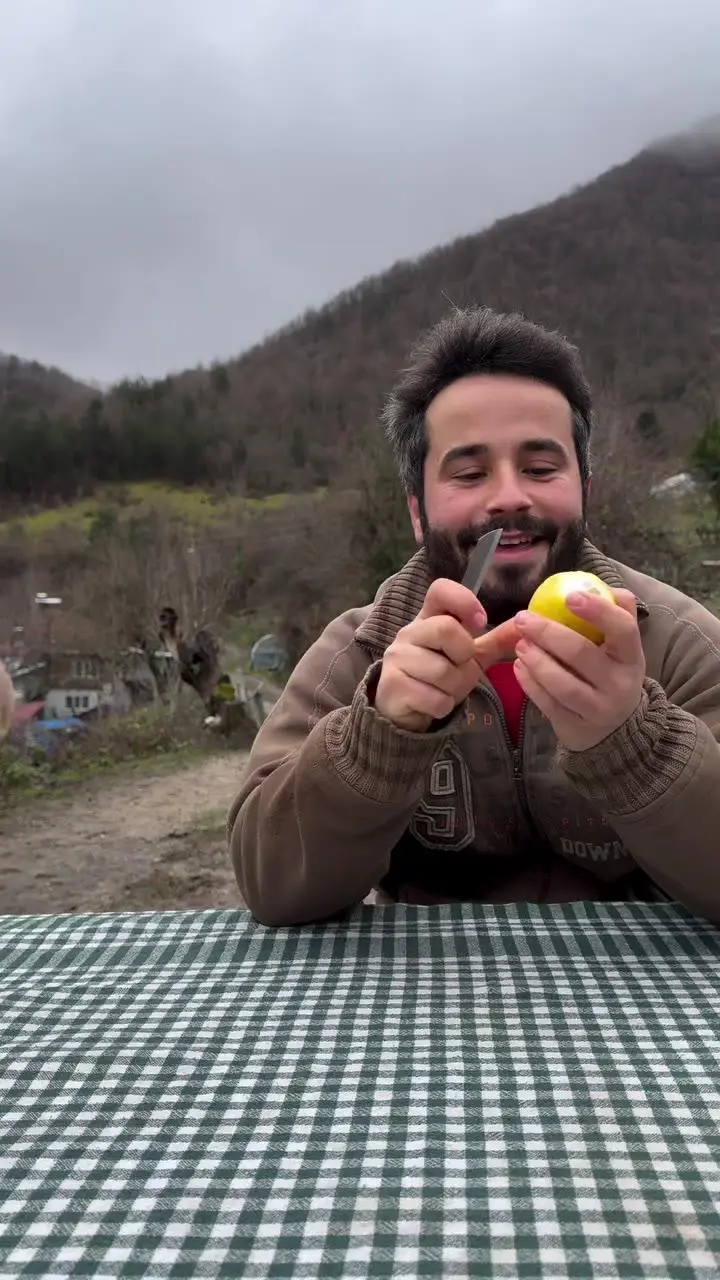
point(516, 755)
point(516, 752)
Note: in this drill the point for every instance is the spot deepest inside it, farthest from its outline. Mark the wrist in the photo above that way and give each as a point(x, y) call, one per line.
point(373, 755)
point(413, 722)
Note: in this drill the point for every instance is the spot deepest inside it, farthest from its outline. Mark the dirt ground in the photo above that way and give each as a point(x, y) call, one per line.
point(153, 840)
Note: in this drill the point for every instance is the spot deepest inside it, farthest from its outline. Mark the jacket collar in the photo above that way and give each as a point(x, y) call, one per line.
point(400, 599)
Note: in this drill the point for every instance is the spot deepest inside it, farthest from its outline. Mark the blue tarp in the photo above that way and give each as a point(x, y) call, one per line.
point(72, 722)
point(48, 735)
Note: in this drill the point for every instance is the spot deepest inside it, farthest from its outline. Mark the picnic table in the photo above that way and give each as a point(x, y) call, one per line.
point(501, 1092)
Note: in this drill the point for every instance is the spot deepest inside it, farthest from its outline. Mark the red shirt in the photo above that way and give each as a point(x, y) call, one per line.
point(505, 683)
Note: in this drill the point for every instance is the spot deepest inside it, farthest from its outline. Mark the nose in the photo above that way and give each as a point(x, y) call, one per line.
point(506, 494)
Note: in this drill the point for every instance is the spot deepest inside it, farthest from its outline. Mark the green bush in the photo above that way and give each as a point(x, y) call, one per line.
point(143, 734)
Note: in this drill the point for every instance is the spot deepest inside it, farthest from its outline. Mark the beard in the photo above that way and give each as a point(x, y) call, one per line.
point(507, 588)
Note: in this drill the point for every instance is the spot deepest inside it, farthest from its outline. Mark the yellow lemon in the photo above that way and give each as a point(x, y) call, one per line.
point(549, 600)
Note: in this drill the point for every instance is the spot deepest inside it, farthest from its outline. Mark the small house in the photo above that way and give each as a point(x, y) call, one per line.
point(83, 684)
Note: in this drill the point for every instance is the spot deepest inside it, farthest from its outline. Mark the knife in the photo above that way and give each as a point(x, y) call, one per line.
point(479, 561)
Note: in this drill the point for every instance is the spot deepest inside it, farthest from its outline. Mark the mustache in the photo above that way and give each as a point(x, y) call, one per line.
point(448, 552)
point(530, 525)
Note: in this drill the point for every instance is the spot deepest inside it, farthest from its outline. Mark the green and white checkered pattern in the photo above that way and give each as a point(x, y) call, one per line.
point(504, 1092)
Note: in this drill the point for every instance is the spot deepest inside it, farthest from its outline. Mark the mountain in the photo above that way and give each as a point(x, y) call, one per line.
point(27, 386)
point(627, 266)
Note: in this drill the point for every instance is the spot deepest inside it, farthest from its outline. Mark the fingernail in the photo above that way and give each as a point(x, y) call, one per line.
point(577, 600)
point(522, 618)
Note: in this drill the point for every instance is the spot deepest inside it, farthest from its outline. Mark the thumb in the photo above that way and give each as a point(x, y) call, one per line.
point(497, 645)
point(626, 600)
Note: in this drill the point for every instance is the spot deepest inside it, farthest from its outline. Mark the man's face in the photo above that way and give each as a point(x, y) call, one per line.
point(501, 456)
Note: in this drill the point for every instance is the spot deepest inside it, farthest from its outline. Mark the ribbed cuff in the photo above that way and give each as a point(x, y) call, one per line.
point(637, 763)
point(377, 759)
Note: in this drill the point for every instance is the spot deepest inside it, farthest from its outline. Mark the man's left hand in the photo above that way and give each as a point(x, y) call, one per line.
point(586, 691)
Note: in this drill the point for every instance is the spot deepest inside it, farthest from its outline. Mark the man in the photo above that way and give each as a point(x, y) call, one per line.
point(408, 762)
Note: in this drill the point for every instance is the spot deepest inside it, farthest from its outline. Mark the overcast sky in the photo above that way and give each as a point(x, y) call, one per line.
point(179, 178)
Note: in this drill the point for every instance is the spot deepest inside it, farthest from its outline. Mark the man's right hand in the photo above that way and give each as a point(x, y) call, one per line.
point(433, 663)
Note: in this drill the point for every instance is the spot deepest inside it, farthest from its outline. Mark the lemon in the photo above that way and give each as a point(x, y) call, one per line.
point(549, 600)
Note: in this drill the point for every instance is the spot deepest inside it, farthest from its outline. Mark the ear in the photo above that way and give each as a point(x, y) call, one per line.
point(588, 486)
point(414, 509)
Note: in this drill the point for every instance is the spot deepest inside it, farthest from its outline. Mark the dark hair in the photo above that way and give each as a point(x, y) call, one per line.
point(473, 341)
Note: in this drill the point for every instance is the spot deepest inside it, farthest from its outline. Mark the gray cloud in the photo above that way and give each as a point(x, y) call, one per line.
point(178, 180)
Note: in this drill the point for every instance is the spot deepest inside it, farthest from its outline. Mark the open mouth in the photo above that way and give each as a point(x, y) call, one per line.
point(518, 544)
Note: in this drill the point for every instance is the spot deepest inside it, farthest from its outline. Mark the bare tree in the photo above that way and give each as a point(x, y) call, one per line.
point(140, 569)
point(300, 568)
point(197, 656)
point(624, 518)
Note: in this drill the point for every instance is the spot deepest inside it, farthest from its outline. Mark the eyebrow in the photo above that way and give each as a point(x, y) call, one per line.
point(467, 452)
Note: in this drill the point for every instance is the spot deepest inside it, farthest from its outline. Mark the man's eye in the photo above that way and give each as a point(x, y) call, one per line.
point(541, 471)
point(470, 475)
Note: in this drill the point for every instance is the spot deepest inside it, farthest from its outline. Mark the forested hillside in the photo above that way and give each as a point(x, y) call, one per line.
point(628, 266)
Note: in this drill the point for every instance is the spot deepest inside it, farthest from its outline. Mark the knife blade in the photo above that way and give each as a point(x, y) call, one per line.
point(479, 561)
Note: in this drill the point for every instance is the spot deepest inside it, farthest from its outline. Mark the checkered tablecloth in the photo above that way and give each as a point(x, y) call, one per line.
point(503, 1092)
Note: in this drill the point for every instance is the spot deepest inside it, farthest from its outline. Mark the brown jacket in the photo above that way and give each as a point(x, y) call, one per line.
point(336, 802)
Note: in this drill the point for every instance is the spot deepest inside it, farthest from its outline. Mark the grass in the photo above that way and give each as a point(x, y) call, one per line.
point(682, 518)
point(685, 516)
point(119, 745)
point(212, 822)
point(194, 506)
